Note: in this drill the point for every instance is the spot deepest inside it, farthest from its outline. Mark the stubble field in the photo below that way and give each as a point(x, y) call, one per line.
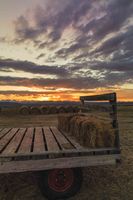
point(99, 183)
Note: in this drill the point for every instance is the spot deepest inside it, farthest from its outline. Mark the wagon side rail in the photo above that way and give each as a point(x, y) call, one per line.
point(112, 99)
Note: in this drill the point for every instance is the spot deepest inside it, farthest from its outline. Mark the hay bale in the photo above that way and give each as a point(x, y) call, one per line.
point(97, 134)
point(88, 134)
point(73, 123)
point(69, 109)
point(88, 130)
point(64, 122)
point(78, 126)
point(76, 109)
point(35, 110)
point(53, 110)
point(24, 110)
point(44, 109)
point(61, 109)
point(108, 135)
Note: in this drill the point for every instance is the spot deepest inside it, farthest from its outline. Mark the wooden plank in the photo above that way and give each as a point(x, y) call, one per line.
point(50, 140)
point(39, 145)
point(12, 146)
point(26, 144)
point(102, 97)
point(7, 138)
point(69, 152)
point(45, 164)
point(4, 131)
point(73, 141)
point(101, 151)
point(64, 143)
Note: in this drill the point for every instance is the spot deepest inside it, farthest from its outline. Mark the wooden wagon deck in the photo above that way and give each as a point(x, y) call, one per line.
point(41, 148)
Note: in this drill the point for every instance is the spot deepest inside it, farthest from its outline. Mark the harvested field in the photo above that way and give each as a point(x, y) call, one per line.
point(27, 121)
point(100, 183)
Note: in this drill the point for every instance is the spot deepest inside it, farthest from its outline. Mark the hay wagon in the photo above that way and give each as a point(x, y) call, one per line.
point(54, 154)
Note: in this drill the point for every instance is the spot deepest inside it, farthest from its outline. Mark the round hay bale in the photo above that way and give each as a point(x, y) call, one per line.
point(44, 109)
point(24, 110)
point(76, 109)
point(61, 109)
point(53, 110)
point(69, 109)
point(35, 110)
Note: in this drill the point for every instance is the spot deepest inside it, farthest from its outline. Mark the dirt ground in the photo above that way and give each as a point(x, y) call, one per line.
point(99, 183)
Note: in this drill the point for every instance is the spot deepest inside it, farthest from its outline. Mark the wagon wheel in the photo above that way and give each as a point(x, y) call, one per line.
point(60, 183)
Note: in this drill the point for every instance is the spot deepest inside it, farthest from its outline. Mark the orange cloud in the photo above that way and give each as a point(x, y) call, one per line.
point(123, 95)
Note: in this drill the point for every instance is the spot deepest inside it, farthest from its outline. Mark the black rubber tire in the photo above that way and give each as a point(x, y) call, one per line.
point(51, 194)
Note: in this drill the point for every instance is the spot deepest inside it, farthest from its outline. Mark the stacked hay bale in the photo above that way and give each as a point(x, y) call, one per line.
point(88, 130)
point(64, 122)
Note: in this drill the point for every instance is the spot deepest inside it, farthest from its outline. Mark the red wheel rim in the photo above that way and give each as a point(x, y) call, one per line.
point(60, 180)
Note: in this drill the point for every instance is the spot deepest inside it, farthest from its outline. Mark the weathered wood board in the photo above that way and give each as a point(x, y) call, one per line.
point(41, 148)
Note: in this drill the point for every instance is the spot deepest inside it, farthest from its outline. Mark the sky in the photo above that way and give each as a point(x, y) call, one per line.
point(60, 50)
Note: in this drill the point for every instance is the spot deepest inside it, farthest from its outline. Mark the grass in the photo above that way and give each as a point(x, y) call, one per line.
point(100, 183)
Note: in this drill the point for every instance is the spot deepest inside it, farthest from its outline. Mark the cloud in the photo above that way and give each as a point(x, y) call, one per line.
point(55, 92)
point(121, 41)
point(80, 43)
point(40, 56)
point(94, 20)
point(92, 38)
point(71, 83)
point(51, 17)
point(119, 66)
point(116, 14)
point(27, 66)
point(108, 80)
point(23, 29)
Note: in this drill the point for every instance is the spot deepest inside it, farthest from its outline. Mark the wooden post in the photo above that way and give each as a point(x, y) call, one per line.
point(111, 97)
point(113, 103)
